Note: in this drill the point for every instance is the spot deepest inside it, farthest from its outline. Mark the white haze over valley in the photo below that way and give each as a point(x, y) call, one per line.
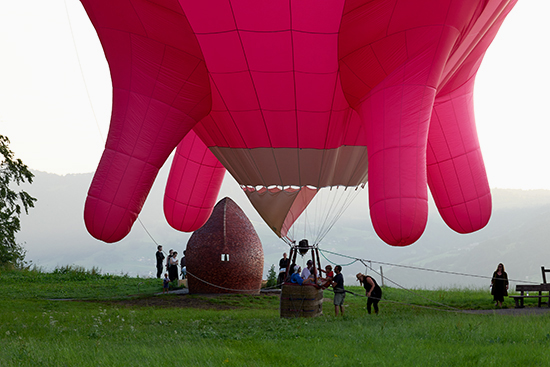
point(54, 235)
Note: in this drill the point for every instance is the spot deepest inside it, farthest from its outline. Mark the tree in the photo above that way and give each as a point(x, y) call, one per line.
point(271, 277)
point(12, 171)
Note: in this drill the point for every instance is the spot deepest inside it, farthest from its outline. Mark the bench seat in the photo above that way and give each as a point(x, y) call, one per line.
point(519, 299)
point(539, 288)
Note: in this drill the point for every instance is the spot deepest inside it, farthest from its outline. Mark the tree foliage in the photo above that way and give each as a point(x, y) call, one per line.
point(12, 171)
point(271, 277)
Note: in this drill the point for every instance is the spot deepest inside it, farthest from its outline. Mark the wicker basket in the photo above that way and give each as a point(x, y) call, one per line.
point(301, 300)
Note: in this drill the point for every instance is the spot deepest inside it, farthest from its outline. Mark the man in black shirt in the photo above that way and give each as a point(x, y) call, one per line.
point(339, 292)
point(160, 259)
point(283, 266)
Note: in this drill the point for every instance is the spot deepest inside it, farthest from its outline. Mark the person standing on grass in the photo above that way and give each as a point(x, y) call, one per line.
point(372, 291)
point(165, 283)
point(173, 268)
point(339, 292)
point(170, 253)
point(183, 264)
point(283, 266)
point(499, 285)
point(160, 259)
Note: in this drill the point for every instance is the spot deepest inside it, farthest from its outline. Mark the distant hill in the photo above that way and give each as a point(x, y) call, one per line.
point(54, 233)
point(517, 235)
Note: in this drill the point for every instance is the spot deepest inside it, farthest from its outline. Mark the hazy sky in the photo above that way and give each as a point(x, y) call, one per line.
point(55, 91)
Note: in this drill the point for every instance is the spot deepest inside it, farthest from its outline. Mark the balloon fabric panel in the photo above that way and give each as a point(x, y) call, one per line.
point(193, 185)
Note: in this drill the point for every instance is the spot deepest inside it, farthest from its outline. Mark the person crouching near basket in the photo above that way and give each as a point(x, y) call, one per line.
point(372, 291)
point(339, 292)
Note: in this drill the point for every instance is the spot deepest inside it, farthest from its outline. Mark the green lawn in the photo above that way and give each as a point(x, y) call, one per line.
point(107, 323)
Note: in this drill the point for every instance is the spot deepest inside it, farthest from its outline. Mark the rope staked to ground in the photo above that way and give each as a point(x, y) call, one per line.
point(368, 264)
point(416, 267)
point(228, 289)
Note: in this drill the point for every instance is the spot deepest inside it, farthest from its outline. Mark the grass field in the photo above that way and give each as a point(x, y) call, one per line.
point(75, 317)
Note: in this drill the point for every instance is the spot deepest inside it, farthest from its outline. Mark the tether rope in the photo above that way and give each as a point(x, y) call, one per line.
point(82, 72)
point(408, 290)
point(364, 262)
point(333, 263)
point(224, 288)
point(90, 101)
point(323, 212)
point(352, 194)
point(399, 286)
point(454, 310)
point(449, 308)
point(146, 231)
point(419, 268)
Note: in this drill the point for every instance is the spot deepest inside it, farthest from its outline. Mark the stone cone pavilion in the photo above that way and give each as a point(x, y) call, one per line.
point(225, 255)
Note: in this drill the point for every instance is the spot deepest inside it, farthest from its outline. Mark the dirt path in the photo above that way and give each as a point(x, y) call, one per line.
point(513, 311)
point(205, 302)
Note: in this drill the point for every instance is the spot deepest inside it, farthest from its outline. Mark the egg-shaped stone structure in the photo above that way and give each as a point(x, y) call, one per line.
point(225, 255)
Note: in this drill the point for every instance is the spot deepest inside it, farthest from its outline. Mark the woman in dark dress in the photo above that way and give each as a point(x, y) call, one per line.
point(499, 285)
point(372, 291)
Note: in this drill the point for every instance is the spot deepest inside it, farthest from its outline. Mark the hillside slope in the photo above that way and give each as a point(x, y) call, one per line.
point(517, 235)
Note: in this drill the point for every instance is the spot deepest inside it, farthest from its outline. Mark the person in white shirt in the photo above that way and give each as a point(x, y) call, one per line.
point(306, 273)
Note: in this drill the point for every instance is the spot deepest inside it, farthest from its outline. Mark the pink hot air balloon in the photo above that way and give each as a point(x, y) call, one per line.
point(291, 97)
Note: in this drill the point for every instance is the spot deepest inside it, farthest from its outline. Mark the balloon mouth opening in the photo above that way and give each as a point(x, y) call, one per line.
point(274, 188)
point(307, 211)
point(294, 188)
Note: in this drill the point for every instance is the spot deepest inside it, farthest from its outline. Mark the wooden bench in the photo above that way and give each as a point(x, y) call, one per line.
point(524, 290)
point(544, 271)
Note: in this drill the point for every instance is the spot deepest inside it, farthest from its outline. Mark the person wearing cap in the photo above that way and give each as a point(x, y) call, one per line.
point(295, 277)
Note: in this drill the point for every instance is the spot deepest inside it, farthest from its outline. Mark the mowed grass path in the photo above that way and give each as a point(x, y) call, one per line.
point(107, 323)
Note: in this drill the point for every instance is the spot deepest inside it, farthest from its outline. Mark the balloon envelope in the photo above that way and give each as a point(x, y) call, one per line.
point(291, 97)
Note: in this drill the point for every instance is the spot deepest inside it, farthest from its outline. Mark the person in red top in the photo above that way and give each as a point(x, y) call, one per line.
point(327, 281)
point(328, 271)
